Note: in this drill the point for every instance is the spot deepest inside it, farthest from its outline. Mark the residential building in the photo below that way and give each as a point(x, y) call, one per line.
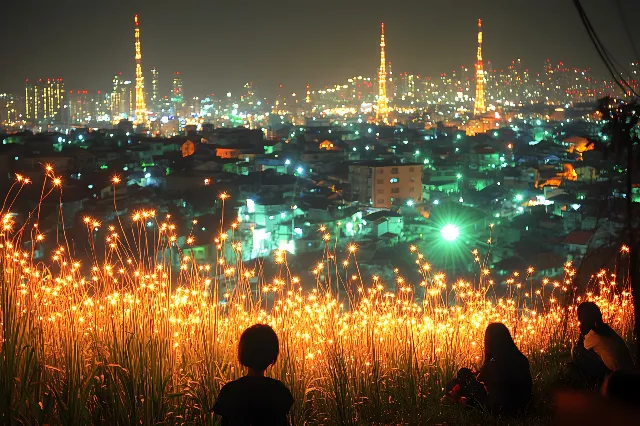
point(384, 184)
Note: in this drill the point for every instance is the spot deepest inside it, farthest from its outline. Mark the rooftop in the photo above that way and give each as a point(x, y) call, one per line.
point(578, 237)
point(385, 163)
point(381, 214)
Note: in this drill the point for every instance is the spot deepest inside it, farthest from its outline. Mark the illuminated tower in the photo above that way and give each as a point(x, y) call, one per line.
point(141, 106)
point(479, 107)
point(307, 99)
point(383, 102)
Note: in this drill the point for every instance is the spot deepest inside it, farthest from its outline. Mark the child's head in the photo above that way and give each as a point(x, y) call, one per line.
point(590, 316)
point(258, 347)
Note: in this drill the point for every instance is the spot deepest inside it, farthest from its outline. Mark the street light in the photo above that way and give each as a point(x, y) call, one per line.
point(450, 232)
point(410, 203)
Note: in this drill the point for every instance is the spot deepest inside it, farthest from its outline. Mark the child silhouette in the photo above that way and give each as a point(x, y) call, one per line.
point(255, 400)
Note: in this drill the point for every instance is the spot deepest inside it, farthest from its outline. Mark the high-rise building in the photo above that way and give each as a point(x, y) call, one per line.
point(79, 105)
point(85, 107)
point(177, 96)
point(391, 83)
point(141, 117)
point(383, 101)
point(9, 109)
point(155, 95)
point(122, 99)
point(479, 107)
point(45, 99)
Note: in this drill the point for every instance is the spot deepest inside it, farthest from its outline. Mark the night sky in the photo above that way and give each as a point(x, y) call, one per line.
point(219, 45)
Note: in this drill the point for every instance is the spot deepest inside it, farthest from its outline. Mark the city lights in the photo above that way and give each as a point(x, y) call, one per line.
point(450, 232)
point(378, 222)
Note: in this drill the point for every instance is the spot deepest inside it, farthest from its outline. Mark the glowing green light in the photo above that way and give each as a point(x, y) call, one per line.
point(450, 232)
point(410, 203)
point(519, 197)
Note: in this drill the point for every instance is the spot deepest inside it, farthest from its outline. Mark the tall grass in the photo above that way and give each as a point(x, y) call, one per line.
point(116, 340)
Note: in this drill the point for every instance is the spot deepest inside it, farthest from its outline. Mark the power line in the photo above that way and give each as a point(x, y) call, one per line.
point(604, 54)
point(632, 41)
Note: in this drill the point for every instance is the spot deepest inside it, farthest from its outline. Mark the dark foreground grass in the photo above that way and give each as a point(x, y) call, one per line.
point(549, 377)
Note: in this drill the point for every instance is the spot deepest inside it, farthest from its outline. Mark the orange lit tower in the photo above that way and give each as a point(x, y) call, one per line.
point(479, 107)
point(141, 106)
point(383, 101)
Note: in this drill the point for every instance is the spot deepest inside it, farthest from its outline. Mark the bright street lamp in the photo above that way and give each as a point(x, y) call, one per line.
point(450, 232)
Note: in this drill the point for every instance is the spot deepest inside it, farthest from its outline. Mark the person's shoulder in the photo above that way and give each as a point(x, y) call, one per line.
point(591, 339)
point(228, 389)
point(277, 384)
point(227, 398)
point(281, 390)
point(523, 358)
point(232, 384)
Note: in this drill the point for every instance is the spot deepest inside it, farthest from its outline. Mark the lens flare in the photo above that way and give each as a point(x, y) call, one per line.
point(450, 232)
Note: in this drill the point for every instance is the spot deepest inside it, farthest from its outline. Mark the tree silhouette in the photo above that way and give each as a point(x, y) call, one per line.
point(621, 120)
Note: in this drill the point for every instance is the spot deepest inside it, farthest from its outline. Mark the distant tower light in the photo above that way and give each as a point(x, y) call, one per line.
point(383, 101)
point(141, 116)
point(479, 106)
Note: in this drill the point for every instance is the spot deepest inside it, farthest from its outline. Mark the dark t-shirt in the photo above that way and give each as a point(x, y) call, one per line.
point(254, 401)
point(508, 382)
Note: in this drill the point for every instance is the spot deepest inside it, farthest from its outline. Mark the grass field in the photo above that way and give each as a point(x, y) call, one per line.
point(125, 338)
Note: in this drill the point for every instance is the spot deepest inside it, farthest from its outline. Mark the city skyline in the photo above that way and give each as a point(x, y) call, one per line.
point(319, 58)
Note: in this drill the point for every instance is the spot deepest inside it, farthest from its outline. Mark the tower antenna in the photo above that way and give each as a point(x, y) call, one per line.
point(479, 106)
point(141, 105)
point(383, 101)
